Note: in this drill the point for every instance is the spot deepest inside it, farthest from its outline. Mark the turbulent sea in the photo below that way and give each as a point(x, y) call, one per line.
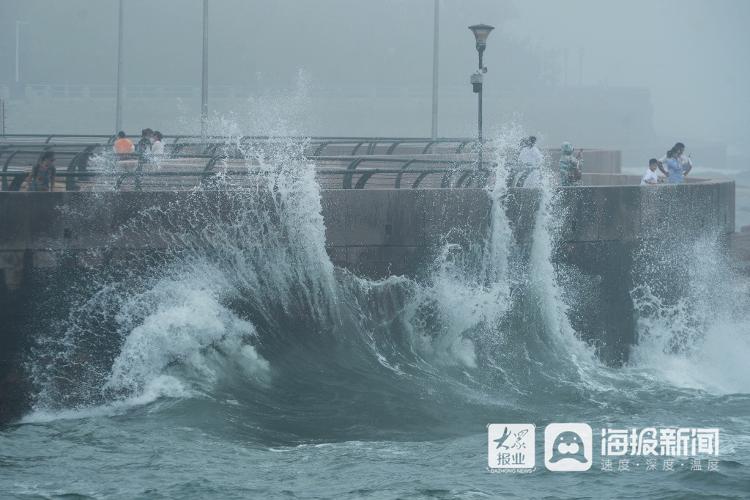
point(241, 363)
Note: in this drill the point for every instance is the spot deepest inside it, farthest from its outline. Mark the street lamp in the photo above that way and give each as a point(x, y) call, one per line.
point(481, 32)
point(118, 94)
point(204, 75)
point(435, 47)
point(18, 49)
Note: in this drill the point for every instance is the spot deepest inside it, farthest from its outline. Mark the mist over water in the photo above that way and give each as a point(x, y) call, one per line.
point(242, 342)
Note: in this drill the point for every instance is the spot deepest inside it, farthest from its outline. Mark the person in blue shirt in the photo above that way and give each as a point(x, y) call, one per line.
point(674, 169)
point(677, 153)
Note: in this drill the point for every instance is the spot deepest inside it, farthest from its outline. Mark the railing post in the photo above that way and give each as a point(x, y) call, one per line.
point(139, 172)
point(118, 98)
point(204, 75)
point(435, 48)
point(2, 112)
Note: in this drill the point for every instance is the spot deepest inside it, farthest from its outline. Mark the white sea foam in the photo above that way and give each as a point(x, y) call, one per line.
point(186, 322)
point(470, 294)
point(545, 283)
point(701, 340)
point(157, 388)
point(176, 324)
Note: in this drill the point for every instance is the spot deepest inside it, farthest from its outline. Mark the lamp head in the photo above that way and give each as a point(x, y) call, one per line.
point(481, 32)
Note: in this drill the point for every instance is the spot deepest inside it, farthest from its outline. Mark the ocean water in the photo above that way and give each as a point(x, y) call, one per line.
point(241, 363)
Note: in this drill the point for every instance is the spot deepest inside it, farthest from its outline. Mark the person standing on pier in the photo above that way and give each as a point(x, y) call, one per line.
point(678, 152)
point(651, 178)
point(144, 145)
point(570, 165)
point(530, 159)
point(42, 177)
point(157, 147)
point(674, 169)
point(123, 145)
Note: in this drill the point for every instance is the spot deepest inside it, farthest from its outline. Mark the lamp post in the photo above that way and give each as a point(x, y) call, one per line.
point(118, 96)
point(204, 75)
point(435, 48)
point(18, 49)
point(481, 32)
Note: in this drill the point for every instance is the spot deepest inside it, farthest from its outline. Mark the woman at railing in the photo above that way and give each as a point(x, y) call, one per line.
point(42, 176)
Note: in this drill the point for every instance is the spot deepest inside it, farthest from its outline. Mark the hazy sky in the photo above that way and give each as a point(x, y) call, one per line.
point(694, 55)
point(690, 55)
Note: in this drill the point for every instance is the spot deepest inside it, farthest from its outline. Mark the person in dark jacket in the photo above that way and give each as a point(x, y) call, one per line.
point(144, 145)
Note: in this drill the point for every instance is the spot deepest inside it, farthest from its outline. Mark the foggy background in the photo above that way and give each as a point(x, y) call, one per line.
point(634, 75)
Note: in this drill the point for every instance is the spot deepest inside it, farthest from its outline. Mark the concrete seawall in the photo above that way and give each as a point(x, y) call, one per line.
point(373, 233)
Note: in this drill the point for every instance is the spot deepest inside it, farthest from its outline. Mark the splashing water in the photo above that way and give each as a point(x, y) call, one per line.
point(262, 245)
point(241, 341)
point(698, 337)
point(245, 265)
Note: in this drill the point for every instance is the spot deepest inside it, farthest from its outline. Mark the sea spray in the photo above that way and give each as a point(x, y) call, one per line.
point(693, 322)
point(544, 276)
point(256, 238)
point(496, 306)
point(244, 290)
point(468, 290)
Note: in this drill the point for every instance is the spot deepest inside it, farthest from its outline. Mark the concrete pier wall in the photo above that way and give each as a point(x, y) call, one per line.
point(48, 222)
point(373, 233)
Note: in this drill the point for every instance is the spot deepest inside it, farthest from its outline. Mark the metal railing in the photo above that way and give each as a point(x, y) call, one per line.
point(316, 146)
point(18, 160)
point(19, 152)
point(174, 172)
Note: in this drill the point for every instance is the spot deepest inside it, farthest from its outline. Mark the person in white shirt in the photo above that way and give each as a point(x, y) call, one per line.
point(651, 177)
point(530, 159)
point(157, 147)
